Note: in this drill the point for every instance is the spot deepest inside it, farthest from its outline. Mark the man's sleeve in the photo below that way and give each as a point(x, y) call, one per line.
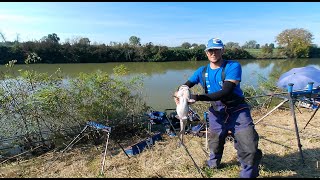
point(233, 72)
point(226, 90)
point(195, 78)
point(197, 75)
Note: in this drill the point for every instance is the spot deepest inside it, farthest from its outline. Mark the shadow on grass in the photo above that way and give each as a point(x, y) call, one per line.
point(293, 162)
point(275, 166)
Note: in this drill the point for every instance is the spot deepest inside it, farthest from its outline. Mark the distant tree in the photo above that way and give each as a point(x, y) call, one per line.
point(232, 45)
point(250, 44)
point(113, 43)
point(53, 38)
point(134, 40)
point(271, 45)
point(257, 46)
point(95, 43)
point(149, 44)
point(202, 46)
point(194, 45)
point(84, 41)
point(295, 42)
point(186, 45)
point(73, 40)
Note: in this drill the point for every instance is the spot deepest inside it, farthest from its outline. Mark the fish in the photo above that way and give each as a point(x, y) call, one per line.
point(182, 108)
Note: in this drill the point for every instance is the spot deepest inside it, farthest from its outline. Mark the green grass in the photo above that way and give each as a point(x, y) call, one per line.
point(257, 53)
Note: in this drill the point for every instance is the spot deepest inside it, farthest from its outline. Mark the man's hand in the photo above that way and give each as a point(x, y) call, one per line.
point(191, 101)
point(176, 99)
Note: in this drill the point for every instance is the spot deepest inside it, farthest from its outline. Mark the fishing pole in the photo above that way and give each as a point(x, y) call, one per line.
point(272, 94)
point(195, 164)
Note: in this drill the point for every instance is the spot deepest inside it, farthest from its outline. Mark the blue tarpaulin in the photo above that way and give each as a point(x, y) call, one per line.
point(140, 146)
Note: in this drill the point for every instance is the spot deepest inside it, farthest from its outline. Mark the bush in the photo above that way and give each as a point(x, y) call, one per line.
point(236, 54)
point(34, 102)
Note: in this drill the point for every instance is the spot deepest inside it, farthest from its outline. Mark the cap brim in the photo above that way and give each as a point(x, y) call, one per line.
point(213, 48)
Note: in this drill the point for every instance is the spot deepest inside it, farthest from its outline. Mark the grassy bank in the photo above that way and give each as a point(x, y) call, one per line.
point(281, 156)
point(258, 54)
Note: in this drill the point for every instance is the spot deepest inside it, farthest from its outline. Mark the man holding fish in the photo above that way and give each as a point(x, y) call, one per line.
point(228, 111)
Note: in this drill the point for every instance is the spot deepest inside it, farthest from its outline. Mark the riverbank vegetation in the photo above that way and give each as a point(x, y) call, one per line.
point(47, 109)
point(292, 43)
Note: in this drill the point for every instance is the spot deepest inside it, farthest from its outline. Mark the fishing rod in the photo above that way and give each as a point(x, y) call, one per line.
point(272, 94)
point(195, 164)
point(301, 92)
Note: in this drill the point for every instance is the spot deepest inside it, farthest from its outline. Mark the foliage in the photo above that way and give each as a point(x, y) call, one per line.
point(295, 42)
point(202, 46)
point(250, 44)
point(236, 54)
point(186, 45)
point(314, 52)
point(232, 45)
point(259, 54)
point(84, 41)
point(32, 57)
point(33, 102)
point(80, 50)
point(194, 45)
point(51, 38)
point(134, 40)
point(271, 45)
point(267, 51)
point(266, 86)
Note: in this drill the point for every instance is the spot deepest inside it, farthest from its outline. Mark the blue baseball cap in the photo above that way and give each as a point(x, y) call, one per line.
point(214, 43)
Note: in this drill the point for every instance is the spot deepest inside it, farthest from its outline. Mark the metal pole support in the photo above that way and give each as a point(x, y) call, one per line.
point(291, 100)
point(105, 153)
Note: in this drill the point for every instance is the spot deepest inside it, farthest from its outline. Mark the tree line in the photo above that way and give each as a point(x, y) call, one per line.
point(293, 43)
point(49, 50)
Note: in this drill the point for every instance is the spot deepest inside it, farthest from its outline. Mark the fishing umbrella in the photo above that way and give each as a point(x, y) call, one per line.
point(300, 77)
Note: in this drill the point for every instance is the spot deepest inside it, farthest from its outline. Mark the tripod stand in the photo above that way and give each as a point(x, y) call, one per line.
point(292, 97)
point(96, 126)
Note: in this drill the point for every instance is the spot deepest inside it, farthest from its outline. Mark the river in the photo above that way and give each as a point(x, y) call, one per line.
point(163, 78)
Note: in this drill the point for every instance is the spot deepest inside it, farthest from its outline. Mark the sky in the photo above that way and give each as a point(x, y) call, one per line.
point(162, 23)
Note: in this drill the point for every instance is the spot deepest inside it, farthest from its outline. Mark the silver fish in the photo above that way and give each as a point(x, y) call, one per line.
point(183, 108)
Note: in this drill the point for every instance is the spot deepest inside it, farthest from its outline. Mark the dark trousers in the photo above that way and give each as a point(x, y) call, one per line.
point(238, 120)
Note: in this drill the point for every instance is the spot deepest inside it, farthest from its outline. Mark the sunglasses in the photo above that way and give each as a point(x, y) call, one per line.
point(213, 50)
